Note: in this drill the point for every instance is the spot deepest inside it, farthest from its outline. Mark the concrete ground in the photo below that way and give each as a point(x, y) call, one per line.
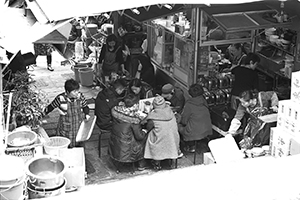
point(99, 169)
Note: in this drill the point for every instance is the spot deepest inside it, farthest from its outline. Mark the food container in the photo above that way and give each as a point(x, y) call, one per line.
point(273, 38)
point(21, 138)
point(45, 172)
point(35, 193)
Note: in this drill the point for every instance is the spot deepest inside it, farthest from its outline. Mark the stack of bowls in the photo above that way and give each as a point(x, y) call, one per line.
point(274, 39)
point(285, 44)
point(268, 32)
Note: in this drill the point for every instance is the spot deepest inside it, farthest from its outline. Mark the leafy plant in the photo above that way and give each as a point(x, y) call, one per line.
point(28, 103)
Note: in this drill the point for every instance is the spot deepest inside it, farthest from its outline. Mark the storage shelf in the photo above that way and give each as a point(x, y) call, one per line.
point(278, 47)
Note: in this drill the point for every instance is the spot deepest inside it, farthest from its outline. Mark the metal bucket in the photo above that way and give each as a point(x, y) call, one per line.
point(46, 172)
point(34, 193)
point(86, 76)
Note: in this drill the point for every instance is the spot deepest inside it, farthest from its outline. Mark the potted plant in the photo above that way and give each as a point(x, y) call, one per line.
point(28, 103)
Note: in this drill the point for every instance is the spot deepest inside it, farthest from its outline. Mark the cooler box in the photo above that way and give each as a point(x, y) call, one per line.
point(75, 161)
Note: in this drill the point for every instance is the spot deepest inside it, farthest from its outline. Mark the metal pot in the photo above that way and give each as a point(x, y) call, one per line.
point(37, 194)
point(46, 172)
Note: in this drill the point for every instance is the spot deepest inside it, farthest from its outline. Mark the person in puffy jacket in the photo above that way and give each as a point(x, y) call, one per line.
point(195, 123)
point(127, 140)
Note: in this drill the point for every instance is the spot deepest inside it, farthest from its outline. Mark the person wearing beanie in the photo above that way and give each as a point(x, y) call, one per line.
point(163, 138)
point(174, 95)
point(195, 123)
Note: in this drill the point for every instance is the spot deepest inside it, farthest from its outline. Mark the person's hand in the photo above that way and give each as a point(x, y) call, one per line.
point(87, 117)
point(274, 108)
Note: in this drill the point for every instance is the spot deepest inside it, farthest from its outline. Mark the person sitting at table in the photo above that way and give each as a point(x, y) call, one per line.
point(163, 137)
point(246, 78)
point(105, 101)
point(140, 89)
point(127, 140)
point(174, 95)
point(256, 104)
point(195, 123)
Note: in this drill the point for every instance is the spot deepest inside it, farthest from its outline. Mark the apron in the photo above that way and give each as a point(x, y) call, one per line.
point(110, 65)
point(68, 125)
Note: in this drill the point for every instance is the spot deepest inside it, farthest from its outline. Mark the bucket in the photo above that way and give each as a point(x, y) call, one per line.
point(40, 193)
point(12, 177)
point(14, 191)
point(55, 144)
point(86, 76)
point(76, 69)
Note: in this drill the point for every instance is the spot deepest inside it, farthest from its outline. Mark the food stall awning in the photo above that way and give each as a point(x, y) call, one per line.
point(247, 16)
point(25, 30)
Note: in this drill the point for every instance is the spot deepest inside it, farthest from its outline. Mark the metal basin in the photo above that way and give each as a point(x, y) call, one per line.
point(21, 138)
point(46, 172)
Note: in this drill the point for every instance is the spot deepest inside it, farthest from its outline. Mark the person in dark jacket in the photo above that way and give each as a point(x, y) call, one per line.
point(127, 140)
point(111, 57)
point(246, 78)
point(174, 95)
point(195, 121)
point(105, 101)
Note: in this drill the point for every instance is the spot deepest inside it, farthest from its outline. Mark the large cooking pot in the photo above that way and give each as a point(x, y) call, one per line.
point(46, 172)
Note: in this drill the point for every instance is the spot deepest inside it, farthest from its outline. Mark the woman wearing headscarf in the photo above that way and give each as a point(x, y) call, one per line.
point(163, 138)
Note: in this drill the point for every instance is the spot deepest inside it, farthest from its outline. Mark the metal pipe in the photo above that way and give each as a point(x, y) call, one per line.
point(195, 69)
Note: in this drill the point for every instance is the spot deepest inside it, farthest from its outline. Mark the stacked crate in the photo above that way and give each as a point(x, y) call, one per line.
point(285, 138)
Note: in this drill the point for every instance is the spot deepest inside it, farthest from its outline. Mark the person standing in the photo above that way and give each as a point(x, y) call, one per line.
point(43, 49)
point(73, 109)
point(236, 54)
point(111, 57)
point(246, 78)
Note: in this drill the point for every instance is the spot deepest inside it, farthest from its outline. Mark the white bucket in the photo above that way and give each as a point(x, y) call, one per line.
point(13, 192)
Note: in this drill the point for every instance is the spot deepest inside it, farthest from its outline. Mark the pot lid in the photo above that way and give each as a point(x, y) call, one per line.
point(11, 167)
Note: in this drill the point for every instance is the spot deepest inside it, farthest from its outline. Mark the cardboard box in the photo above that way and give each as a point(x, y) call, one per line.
point(280, 141)
point(75, 161)
point(295, 87)
point(282, 112)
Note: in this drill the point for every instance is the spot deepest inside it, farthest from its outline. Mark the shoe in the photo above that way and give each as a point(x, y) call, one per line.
point(180, 155)
point(141, 168)
point(49, 67)
point(189, 149)
point(156, 165)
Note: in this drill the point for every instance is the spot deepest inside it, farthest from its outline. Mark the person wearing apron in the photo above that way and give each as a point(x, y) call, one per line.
point(73, 110)
point(111, 57)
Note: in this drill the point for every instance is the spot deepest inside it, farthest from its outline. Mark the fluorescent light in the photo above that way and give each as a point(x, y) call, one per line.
point(135, 11)
point(168, 6)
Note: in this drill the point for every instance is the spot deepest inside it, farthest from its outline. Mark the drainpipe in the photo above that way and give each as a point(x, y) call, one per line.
point(195, 69)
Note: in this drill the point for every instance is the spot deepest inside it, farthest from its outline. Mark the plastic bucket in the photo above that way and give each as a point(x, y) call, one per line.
point(86, 76)
point(14, 191)
point(76, 69)
point(92, 29)
point(55, 144)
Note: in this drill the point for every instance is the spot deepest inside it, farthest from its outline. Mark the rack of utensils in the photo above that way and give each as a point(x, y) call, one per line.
point(217, 88)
